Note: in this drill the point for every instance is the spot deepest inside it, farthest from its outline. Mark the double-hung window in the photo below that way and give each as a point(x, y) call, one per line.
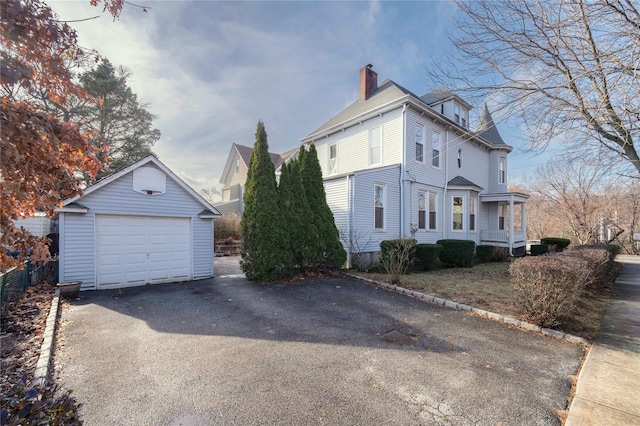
point(502, 212)
point(375, 146)
point(456, 113)
point(419, 143)
point(472, 213)
point(502, 166)
point(426, 202)
point(458, 213)
point(379, 202)
point(422, 211)
point(435, 149)
point(333, 159)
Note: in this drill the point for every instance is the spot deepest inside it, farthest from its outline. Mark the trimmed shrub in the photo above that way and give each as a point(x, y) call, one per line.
point(538, 249)
point(427, 254)
point(599, 258)
point(457, 252)
point(396, 256)
point(547, 288)
point(559, 243)
point(485, 252)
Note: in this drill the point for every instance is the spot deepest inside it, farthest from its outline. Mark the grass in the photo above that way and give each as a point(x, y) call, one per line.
point(487, 286)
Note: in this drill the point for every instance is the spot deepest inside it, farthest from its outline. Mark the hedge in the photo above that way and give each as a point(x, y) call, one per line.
point(485, 252)
point(559, 243)
point(538, 249)
point(547, 288)
point(427, 254)
point(457, 252)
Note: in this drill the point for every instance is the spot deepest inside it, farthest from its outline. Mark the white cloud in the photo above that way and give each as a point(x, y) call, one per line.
point(211, 70)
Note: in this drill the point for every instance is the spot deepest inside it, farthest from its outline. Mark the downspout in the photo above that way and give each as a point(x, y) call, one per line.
point(402, 168)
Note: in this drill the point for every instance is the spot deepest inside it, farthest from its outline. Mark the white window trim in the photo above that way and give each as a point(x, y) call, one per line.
point(427, 209)
point(434, 133)
point(502, 170)
point(422, 142)
point(473, 201)
point(371, 163)
point(384, 206)
point(331, 171)
point(464, 202)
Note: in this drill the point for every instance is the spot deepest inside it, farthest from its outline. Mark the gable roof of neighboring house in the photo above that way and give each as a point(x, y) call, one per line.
point(245, 153)
point(487, 128)
point(388, 96)
point(70, 205)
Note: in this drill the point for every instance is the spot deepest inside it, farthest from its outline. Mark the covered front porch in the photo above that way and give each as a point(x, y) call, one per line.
point(505, 221)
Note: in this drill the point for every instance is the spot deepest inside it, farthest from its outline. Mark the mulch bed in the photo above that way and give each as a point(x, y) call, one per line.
point(22, 326)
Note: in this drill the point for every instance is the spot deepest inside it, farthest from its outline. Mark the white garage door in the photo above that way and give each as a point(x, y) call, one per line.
point(138, 250)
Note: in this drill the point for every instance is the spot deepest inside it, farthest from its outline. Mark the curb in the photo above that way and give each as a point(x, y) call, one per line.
point(555, 334)
point(48, 343)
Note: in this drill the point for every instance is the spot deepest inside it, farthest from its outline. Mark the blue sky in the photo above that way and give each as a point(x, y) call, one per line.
point(210, 70)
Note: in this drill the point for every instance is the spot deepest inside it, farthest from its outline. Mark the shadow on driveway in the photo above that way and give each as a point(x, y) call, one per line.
point(327, 351)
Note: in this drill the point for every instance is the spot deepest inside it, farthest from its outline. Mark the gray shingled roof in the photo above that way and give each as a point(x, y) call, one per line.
point(387, 92)
point(460, 181)
point(487, 128)
point(436, 96)
point(246, 151)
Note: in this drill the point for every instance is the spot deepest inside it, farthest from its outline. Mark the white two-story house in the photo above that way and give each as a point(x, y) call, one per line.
point(400, 165)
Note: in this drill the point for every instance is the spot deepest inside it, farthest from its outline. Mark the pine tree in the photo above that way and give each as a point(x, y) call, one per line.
point(262, 256)
point(330, 253)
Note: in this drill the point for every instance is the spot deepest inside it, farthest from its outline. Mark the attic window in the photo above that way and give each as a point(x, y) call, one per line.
point(149, 181)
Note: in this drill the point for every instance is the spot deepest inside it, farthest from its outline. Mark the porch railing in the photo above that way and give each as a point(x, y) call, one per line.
point(501, 236)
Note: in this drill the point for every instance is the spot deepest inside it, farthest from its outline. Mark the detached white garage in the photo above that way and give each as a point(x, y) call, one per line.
point(142, 225)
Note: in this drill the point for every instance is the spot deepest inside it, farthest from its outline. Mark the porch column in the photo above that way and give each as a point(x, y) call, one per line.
point(511, 225)
point(523, 211)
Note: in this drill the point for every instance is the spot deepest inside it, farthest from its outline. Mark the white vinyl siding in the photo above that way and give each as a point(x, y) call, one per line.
point(337, 193)
point(77, 246)
point(202, 236)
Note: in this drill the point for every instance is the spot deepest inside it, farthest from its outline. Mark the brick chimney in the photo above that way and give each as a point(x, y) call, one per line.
point(368, 81)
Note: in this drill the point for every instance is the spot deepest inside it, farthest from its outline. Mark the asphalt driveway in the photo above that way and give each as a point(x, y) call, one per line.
point(332, 351)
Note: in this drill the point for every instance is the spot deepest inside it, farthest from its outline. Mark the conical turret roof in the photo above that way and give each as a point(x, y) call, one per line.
point(487, 128)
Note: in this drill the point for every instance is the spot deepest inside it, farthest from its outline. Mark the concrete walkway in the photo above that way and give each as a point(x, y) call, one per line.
point(608, 390)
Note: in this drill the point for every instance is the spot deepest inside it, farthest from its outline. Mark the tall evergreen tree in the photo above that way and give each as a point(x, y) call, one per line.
point(262, 255)
point(330, 252)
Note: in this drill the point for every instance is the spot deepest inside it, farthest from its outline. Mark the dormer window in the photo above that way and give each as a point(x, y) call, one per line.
point(456, 113)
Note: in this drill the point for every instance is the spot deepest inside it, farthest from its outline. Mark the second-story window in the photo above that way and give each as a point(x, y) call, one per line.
point(435, 149)
point(419, 144)
point(502, 165)
point(333, 159)
point(375, 146)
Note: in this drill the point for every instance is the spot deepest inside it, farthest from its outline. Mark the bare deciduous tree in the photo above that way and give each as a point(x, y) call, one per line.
point(569, 70)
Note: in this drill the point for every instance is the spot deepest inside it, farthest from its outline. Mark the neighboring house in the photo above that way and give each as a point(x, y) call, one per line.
point(399, 165)
point(141, 225)
point(39, 224)
point(234, 176)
